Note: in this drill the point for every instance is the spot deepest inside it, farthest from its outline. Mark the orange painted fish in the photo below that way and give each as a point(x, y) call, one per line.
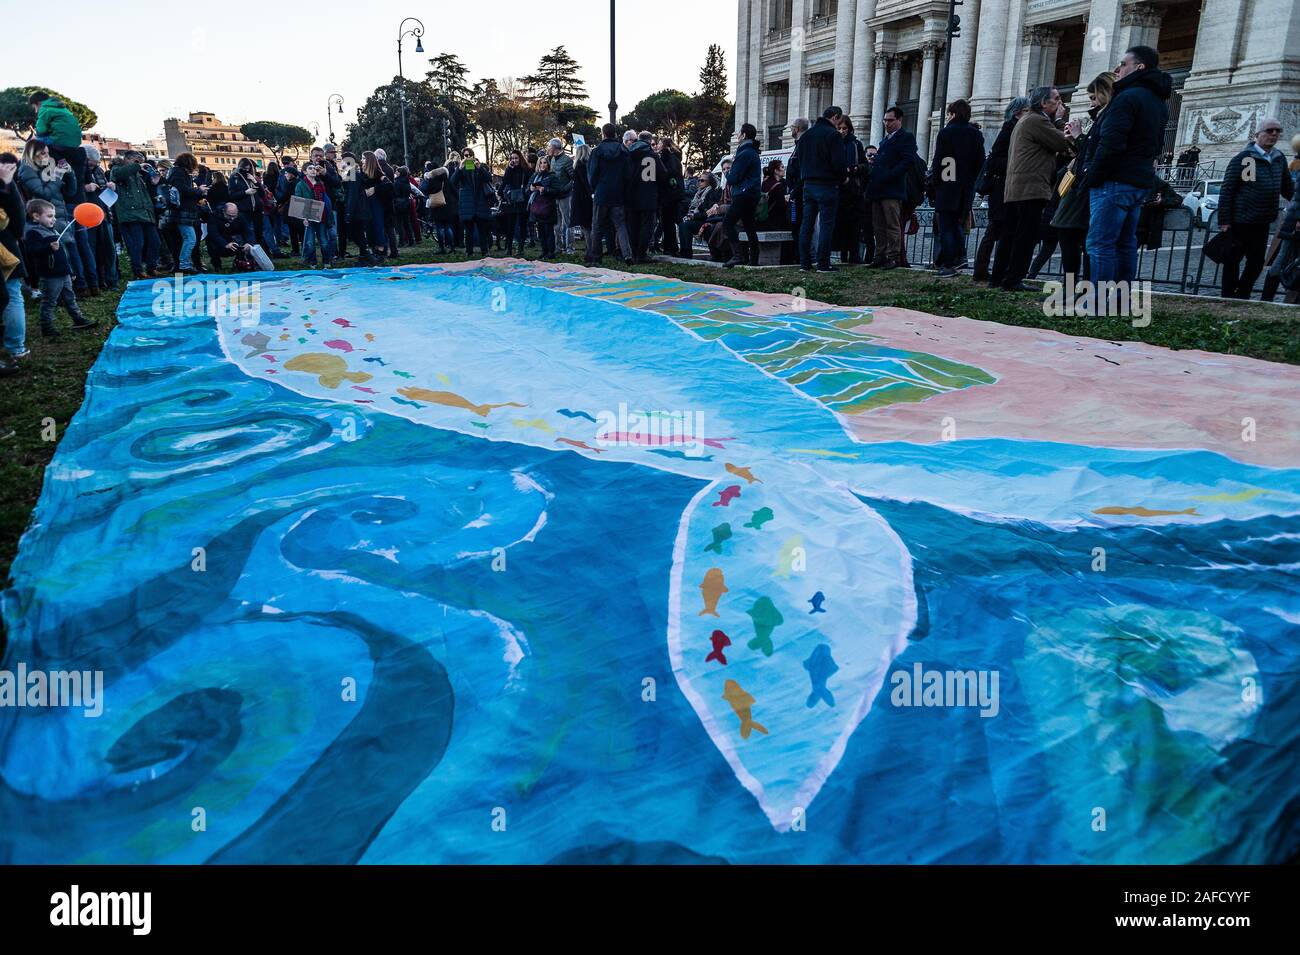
point(742, 473)
point(453, 400)
point(743, 705)
point(579, 444)
point(712, 587)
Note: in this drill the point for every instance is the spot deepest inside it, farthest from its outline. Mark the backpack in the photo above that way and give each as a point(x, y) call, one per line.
point(914, 183)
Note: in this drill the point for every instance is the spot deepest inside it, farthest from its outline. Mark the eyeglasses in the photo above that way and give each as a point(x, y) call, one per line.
point(1272, 129)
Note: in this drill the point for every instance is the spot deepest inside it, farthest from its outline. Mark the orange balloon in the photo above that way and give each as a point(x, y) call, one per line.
point(88, 214)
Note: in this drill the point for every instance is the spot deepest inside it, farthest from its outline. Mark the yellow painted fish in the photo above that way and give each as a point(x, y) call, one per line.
point(331, 370)
point(453, 400)
point(1241, 496)
point(743, 705)
point(538, 423)
point(823, 453)
point(712, 587)
point(1142, 511)
point(741, 473)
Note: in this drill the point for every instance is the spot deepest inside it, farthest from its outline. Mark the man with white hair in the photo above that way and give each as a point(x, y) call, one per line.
point(562, 170)
point(1255, 181)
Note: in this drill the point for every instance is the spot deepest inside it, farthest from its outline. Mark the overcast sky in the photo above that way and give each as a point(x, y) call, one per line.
point(146, 60)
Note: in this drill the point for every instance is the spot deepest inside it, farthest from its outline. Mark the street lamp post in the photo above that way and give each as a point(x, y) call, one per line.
point(328, 117)
point(416, 31)
point(613, 103)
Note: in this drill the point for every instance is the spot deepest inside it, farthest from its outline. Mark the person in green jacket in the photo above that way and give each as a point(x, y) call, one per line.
point(56, 126)
point(133, 179)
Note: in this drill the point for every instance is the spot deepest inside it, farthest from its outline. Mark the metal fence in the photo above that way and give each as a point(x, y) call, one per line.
point(1178, 265)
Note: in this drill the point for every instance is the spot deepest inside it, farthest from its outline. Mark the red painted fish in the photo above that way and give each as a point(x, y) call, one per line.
point(720, 640)
point(369, 391)
point(340, 344)
point(727, 495)
point(344, 322)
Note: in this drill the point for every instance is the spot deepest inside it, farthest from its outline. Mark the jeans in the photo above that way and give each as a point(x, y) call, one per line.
point(15, 318)
point(56, 291)
point(821, 202)
point(270, 233)
point(189, 236)
point(563, 224)
point(471, 227)
point(446, 236)
point(317, 233)
point(1113, 210)
point(141, 239)
point(86, 254)
point(952, 240)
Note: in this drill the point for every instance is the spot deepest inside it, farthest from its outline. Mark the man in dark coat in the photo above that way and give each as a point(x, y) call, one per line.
point(745, 182)
point(1255, 181)
point(607, 173)
point(645, 178)
point(794, 173)
point(887, 187)
point(822, 170)
point(1122, 169)
point(994, 176)
point(958, 157)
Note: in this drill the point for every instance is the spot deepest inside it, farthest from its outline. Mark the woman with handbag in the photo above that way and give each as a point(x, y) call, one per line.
point(543, 188)
point(514, 196)
point(434, 186)
point(245, 187)
point(1071, 217)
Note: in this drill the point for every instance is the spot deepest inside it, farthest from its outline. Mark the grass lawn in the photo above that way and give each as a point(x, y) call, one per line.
point(52, 385)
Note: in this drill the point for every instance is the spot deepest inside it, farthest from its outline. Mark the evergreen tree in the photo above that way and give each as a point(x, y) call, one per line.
point(557, 87)
point(713, 116)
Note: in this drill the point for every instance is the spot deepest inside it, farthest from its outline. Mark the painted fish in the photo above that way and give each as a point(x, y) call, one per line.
point(721, 534)
point(1142, 511)
point(369, 391)
point(340, 344)
point(452, 400)
point(816, 601)
point(655, 440)
point(331, 370)
point(579, 444)
point(680, 454)
point(257, 342)
point(766, 619)
point(369, 338)
point(402, 374)
point(720, 641)
point(344, 322)
point(823, 453)
point(375, 358)
point(759, 518)
point(745, 473)
point(403, 401)
point(538, 423)
point(821, 667)
point(712, 587)
point(576, 414)
point(727, 495)
point(1240, 497)
point(743, 705)
point(791, 553)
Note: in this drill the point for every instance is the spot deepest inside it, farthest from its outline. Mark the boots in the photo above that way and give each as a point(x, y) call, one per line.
point(737, 255)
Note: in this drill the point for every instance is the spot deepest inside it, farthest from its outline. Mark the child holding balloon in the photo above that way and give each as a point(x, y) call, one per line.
point(49, 263)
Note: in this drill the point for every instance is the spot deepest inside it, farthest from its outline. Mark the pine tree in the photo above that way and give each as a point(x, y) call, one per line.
point(447, 77)
point(557, 86)
point(713, 75)
point(713, 116)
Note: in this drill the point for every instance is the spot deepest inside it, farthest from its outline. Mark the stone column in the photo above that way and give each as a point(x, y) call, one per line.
point(743, 115)
point(896, 91)
point(1050, 41)
point(1139, 25)
point(1101, 50)
point(1030, 65)
point(863, 59)
point(798, 56)
point(754, 86)
point(925, 105)
point(878, 104)
point(845, 36)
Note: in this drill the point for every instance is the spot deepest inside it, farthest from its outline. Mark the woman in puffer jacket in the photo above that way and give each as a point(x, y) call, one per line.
point(42, 177)
point(180, 224)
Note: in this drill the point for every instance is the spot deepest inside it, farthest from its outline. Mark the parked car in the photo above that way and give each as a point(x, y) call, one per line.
point(1203, 200)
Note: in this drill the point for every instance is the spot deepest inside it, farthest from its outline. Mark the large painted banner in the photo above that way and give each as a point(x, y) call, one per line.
point(518, 563)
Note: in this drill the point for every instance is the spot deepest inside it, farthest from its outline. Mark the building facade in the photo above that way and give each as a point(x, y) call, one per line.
point(1233, 62)
point(215, 144)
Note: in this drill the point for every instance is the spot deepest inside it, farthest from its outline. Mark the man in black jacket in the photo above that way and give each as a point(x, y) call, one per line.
point(793, 173)
point(822, 170)
point(1130, 138)
point(607, 171)
point(958, 156)
point(646, 176)
point(1248, 205)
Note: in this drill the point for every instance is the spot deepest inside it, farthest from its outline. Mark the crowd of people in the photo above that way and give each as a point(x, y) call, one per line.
point(1050, 183)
